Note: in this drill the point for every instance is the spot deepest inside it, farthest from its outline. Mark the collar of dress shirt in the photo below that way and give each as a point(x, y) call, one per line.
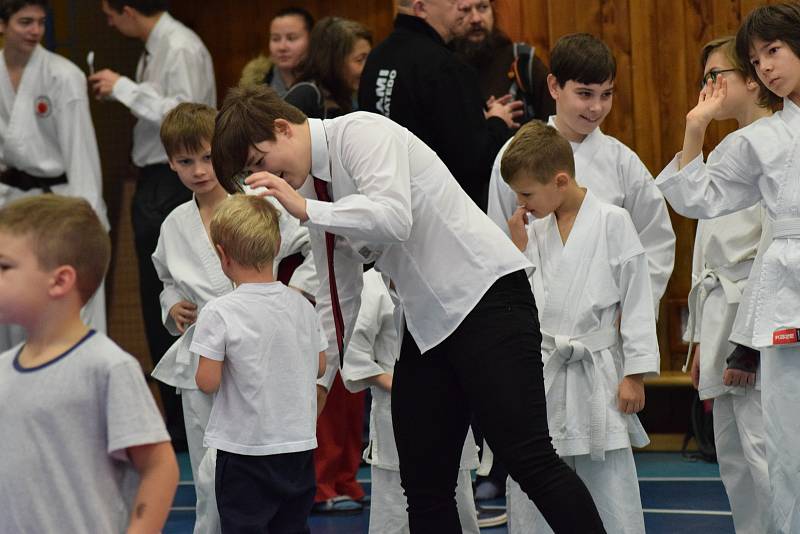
point(320, 157)
point(159, 31)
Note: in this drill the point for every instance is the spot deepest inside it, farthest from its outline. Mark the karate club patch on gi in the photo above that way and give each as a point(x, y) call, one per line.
point(42, 106)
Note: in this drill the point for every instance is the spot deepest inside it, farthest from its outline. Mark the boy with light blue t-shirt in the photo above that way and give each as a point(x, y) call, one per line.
point(261, 351)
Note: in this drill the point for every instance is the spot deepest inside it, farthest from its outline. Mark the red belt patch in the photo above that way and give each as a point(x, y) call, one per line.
point(786, 336)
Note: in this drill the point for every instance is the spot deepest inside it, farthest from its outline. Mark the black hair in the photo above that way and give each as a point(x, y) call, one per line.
point(145, 7)
point(308, 19)
point(583, 58)
point(9, 7)
point(776, 22)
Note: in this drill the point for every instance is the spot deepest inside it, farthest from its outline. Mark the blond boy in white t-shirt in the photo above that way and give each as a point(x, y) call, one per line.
point(260, 350)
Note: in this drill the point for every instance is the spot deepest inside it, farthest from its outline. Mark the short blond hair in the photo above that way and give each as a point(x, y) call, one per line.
point(187, 127)
point(247, 228)
point(538, 150)
point(62, 231)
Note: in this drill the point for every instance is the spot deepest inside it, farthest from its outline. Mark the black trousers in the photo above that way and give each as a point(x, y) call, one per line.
point(158, 192)
point(265, 494)
point(490, 366)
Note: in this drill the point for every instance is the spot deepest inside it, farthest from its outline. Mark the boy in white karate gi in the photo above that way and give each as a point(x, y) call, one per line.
point(582, 83)
point(592, 284)
point(47, 140)
point(84, 446)
point(189, 268)
point(369, 363)
point(724, 251)
point(261, 350)
point(759, 163)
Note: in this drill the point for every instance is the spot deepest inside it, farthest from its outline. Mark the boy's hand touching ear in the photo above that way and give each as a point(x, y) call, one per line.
point(709, 103)
point(277, 187)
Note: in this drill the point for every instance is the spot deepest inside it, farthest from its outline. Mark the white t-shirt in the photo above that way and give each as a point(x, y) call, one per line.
point(269, 338)
point(66, 426)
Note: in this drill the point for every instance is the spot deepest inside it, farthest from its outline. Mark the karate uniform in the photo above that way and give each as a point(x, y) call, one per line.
point(761, 162)
point(46, 130)
point(189, 268)
point(373, 350)
point(615, 174)
point(724, 250)
point(585, 288)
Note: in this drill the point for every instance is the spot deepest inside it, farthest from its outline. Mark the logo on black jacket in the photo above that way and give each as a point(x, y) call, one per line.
point(383, 90)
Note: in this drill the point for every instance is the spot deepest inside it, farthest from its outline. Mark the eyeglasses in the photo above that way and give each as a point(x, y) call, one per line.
point(713, 76)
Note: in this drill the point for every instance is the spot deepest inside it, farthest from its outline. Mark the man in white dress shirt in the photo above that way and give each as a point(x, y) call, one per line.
point(471, 342)
point(175, 67)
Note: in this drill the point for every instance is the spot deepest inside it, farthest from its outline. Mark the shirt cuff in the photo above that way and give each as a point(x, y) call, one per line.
point(327, 379)
point(319, 213)
point(642, 365)
point(124, 90)
point(672, 171)
point(206, 352)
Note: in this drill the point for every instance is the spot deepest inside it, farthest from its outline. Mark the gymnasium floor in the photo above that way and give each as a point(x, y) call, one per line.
point(678, 495)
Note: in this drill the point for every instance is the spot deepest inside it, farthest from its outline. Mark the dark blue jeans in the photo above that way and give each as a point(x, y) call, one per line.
point(490, 366)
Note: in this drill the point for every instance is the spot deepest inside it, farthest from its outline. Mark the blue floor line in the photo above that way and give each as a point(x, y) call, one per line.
point(678, 495)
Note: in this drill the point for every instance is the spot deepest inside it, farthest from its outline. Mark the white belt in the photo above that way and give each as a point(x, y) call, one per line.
point(783, 228)
point(184, 355)
point(586, 348)
point(706, 282)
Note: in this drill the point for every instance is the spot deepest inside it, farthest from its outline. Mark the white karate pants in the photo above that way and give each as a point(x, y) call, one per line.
point(739, 439)
point(780, 394)
point(613, 484)
point(196, 411)
point(388, 513)
point(206, 513)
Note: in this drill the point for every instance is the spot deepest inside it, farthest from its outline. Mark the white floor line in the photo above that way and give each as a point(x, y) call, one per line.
point(680, 479)
point(183, 509)
point(685, 512)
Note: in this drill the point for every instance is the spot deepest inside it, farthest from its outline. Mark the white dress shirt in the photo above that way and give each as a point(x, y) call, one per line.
point(176, 67)
point(397, 204)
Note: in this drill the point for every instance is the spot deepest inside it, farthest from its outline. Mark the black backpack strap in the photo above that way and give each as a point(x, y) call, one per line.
point(522, 67)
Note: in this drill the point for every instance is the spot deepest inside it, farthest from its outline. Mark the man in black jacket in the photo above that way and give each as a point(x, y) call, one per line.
point(415, 79)
point(503, 66)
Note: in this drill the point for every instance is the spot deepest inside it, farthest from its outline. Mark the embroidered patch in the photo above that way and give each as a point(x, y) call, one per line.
point(42, 106)
point(785, 336)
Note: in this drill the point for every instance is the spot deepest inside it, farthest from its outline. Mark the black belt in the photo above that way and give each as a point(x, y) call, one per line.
point(25, 182)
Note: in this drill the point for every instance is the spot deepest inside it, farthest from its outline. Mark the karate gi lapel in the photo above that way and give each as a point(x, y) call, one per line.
point(564, 295)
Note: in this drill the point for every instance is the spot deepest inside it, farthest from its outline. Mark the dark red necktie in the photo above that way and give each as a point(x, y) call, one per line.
point(321, 187)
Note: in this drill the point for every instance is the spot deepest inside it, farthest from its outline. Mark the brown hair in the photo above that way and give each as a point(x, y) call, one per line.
point(62, 231)
point(538, 150)
point(247, 228)
point(727, 45)
point(247, 117)
point(187, 127)
point(777, 22)
point(332, 40)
